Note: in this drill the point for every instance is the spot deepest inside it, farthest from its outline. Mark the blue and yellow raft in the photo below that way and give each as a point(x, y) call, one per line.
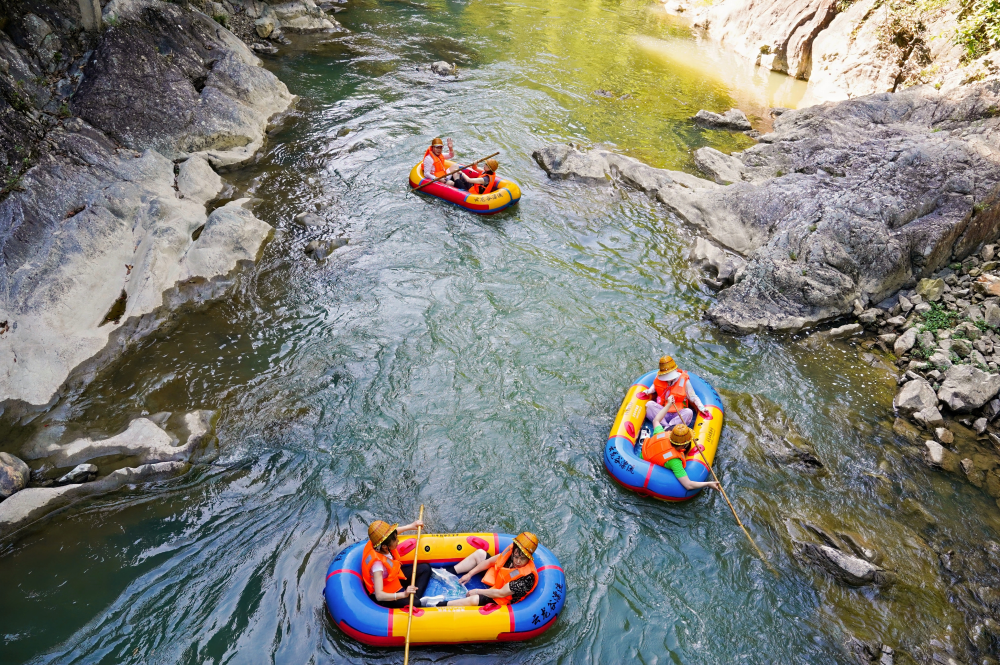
point(360, 617)
point(621, 453)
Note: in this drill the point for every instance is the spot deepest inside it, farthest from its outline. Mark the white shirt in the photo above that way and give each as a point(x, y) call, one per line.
point(377, 566)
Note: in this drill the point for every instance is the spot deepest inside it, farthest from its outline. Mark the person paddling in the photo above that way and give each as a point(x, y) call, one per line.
point(510, 575)
point(382, 571)
point(672, 450)
point(672, 388)
point(483, 183)
point(434, 159)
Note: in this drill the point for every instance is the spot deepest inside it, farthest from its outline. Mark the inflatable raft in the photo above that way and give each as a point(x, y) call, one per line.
point(360, 617)
point(622, 456)
point(506, 194)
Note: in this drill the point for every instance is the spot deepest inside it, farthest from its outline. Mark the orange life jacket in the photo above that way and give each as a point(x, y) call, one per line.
point(658, 450)
point(440, 168)
point(678, 390)
point(498, 576)
point(393, 575)
point(491, 184)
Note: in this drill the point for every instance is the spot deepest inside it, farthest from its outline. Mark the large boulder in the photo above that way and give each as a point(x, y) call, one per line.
point(303, 16)
point(915, 396)
point(966, 388)
point(14, 475)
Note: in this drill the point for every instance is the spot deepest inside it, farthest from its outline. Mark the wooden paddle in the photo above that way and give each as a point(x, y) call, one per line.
point(416, 189)
point(413, 582)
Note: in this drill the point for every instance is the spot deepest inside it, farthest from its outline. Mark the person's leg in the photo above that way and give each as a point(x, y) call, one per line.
point(652, 408)
point(687, 415)
point(470, 562)
point(464, 602)
point(423, 577)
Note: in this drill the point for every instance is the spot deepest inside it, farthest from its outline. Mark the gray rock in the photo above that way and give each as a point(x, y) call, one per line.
point(442, 68)
point(905, 342)
point(962, 347)
point(266, 49)
point(720, 167)
point(896, 321)
point(929, 417)
point(844, 567)
point(889, 339)
point(265, 26)
point(196, 180)
point(303, 17)
point(926, 339)
point(322, 249)
point(966, 388)
point(980, 425)
point(14, 475)
point(143, 441)
point(944, 435)
point(81, 473)
point(724, 265)
point(940, 359)
point(935, 453)
point(733, 119)
point(991, 315)
point(309, 219)
point(930, 289)
point(34, 503)
point(915, 396)
point(904, 304)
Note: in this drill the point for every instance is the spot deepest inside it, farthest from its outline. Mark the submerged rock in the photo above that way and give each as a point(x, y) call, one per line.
point(322, 249)
point(842, 566)
point(14, 475)
point(81, 473)
point(32, 504)
point(442, 68)
point(733, 119)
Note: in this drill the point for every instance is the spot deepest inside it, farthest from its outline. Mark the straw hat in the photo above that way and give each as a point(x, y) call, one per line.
point(378, 531)
point(492, 165)
point(527, 542)
point(680, 435)
point(668, 369)
point(437, 141)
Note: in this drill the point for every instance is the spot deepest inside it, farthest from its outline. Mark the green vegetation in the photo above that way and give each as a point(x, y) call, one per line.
point(979, 28)
point(938, 318)
point(222, 19)
point(765, 49)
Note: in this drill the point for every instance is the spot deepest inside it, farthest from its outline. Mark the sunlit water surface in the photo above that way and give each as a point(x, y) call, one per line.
point(475, 365)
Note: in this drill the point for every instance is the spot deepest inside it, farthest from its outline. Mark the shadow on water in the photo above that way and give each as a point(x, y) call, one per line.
point(475, 365)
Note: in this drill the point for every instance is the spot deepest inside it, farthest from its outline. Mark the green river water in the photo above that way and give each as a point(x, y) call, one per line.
point(475, 365)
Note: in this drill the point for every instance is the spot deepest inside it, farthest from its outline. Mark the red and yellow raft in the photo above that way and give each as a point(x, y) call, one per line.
point(506, 194)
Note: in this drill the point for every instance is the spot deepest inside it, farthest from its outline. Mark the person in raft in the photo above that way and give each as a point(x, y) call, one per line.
point(672, 388)
point(434, 160)
point(672, 449)
point(476, 182)
point(510, 575)
point(386, 578)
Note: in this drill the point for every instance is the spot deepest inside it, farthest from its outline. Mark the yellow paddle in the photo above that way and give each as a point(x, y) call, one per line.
point(413, 582)
point(416, 189)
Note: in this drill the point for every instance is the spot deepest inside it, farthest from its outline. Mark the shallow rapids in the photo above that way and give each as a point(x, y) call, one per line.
point(475, 365)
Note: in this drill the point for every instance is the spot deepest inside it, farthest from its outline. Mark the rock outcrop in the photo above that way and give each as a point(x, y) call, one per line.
point(32, 504)
point(847, 568)
point(101, 239)
point(842, 203)
point(14, 475)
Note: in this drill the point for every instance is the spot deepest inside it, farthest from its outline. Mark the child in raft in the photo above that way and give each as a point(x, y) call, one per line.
point(386, 579)
point(511, 575)
point(672, 449)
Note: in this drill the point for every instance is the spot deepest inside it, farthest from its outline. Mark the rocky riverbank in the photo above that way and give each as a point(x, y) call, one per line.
point(114, 132)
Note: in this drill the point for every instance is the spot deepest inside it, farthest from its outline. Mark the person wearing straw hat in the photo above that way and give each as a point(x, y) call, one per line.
point(672, 450)
point(672, 388)
point(510, 575)
point(478, 183)
point(382, 571)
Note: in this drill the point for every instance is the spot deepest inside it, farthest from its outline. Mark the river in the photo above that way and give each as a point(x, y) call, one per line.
point(475, 365)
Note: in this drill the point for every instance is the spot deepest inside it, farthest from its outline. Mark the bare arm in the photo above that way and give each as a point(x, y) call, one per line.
point(689, 484)
point(493, 593)
point(382, 595)
point(693, 397)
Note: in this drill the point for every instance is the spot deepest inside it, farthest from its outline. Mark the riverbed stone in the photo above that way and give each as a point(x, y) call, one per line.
point(14, 475)
point(720, 167)
point(962, 347)
point(81, 473)
point(34, 503)
point(319, 250)
point(442, 68)
point(905, 342)
point(941, 359)
point(144, 440)
point(914, 396)
point(733, 119)
point(303, 16)
point(944, 435)
point(991, 315)
point(966, 388)
point(844, 567)
point(930, 289)
point(929, 417)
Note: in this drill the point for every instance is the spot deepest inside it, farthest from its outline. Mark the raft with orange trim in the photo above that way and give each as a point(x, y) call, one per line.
point(622, 456)
point(506, 194)
point(359, 616)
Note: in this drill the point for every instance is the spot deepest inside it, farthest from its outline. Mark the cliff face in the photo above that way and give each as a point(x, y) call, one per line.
point(844, 49)
point(108, 228)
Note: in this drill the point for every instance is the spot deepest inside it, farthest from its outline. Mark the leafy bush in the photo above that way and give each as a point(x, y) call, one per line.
point(938, 318)
point(979, 28)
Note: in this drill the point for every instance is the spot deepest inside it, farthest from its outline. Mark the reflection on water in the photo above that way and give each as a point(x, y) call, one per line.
point(475, 365)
